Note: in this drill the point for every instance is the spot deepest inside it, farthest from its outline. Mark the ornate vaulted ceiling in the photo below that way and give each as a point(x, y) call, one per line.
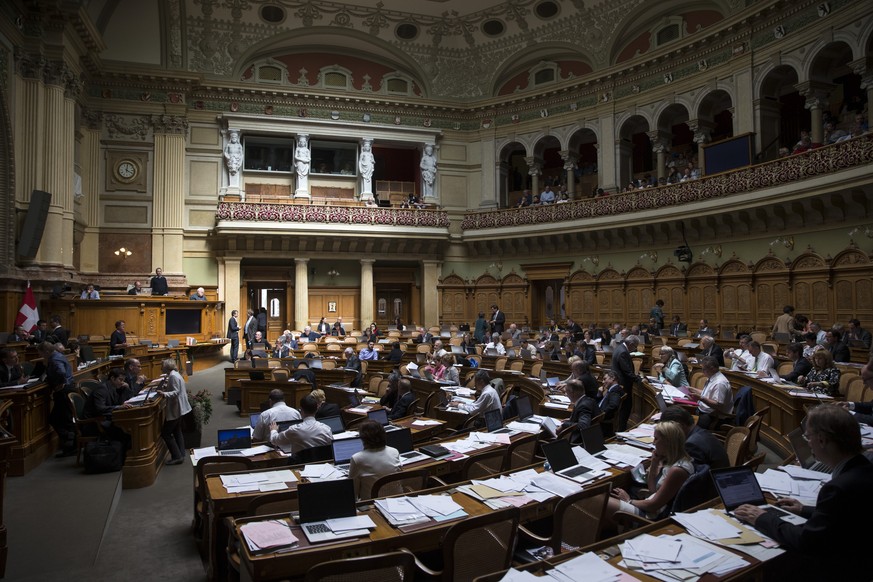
point(458, 49)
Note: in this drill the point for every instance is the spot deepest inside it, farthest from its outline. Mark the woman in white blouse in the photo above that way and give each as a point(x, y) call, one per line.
point(377, 459)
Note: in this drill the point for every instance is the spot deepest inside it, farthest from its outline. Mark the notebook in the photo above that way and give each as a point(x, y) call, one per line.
point(738, 485)
point(494, 422)
point(525, 410)
point(560, 456)
point(343, 449)
point(553, 382)
point(325, 500)
point(458, 350)
point(232, 441)
point(335, 423)
point(286, 424)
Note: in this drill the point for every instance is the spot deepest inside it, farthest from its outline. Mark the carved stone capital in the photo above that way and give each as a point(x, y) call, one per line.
point(56, 73)
point(29, 65)
point(534, 165)
point(567, 158)
point(92, 119)
point(173, 124)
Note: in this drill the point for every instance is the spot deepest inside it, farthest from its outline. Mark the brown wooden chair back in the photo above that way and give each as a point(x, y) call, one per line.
point(392, 567)
point(400, 483)
point(737, 445)
point(483, 464)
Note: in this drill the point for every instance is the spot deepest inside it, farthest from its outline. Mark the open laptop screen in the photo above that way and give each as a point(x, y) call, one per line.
point(253, 420)
point(592, 439)
point(234, 438)
point(379, 415)
point(334, 422)
point(559, 454)
point(326, 500)
point(493, 420)
point(736, 486)
point(399, 439)
point(343, 449)
point(523, 405)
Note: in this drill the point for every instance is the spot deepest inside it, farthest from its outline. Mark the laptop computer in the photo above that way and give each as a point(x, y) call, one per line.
point(380, 415)
point(232, 441)
point(737, 486)
point(400, 439)
point(334, 422)
point(662, 404)
point(324, 500)
point(510, 353)
point(314, 364)
point(491, 352)
point(560, 456)
point(421, 358)
point(354, 400)
point(253, 420)
point(458, 350)
point(343, 449)
point(494, 422)
point(173, 343)
point(257, 376)
point(553, 382)
point(525, 410)
point(286, 424)
point(592, 439)
point(804, 453)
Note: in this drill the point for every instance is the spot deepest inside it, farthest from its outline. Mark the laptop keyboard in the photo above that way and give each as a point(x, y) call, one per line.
point(231, 452)
point(317, 528)
point(575, 472)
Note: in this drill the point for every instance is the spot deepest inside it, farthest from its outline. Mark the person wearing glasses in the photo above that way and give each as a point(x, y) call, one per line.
point(828, 544)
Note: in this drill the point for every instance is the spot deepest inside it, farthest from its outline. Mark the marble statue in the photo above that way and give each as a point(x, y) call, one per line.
point(233, 158)
point(428, 167)
point(366, 165)
point(302, 159)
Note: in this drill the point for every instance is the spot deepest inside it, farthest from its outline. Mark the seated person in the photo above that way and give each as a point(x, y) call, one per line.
point(278, 412)
point(863, 410)
point(405, 398)
point(803, 144)
point(325, 408)
point(811, 344)
point(104, 399)
point(368, 353)
point(496, 344)
point(579, 371)
point(708, 347)
point(488, 399)
point(304, 435)
point(11, 372)
point(390, 397)
point(136, 289)
point(18, 335)
point(714, 402)
point(669, 467)
point(834, 344)
point(376, 460)
point(395, 356)
point(802, 366)
point(281, 350)
point(585, 407)
point(609, 395)
point(828, 546)
point(824, 377)
point(133, 375)
point(741, 358)
point(353, 362)
point(446, 371)
point(670, 370)
point(199, 295)
point(90, 293)
point(259, 352)
point(701, 444)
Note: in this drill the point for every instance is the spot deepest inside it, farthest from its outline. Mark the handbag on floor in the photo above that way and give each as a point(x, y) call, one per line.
point(103, 456)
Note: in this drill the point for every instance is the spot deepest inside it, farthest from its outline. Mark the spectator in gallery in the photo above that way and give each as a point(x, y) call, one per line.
point(525, 200)
point(90, 293)
point(803, 144)
point(159, 283)
point(547, 196)
point(199, 295)
point(136, 289)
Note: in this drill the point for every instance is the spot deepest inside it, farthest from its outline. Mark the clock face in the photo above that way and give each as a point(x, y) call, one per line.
point(126, 170)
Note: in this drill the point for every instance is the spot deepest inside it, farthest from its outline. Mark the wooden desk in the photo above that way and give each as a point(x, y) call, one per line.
point(147, 449)
point(7, 439)
point(255, 392)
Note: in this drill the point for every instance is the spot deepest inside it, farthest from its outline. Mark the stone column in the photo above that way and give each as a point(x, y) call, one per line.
point(301, 293)
point(430, 301)
point(624, 153)
point(229, 292)
point(89, 164)
point(702, 135)
point(367, 292)
point(569, 158)
point(661, 147)
point(535, 168)
point(169, 193)
point(816, 94)
point(303, 163)
point(863, 67)
point(767, 113)
point(490, 186)
point(57, 168)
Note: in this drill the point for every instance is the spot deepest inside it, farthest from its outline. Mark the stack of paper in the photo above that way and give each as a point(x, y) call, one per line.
point(264, 536)
point(530, 427)
point(680, 557)
point(263, 482)
point(400, 511)
point(426, 422)
point(322, 472)
point(623, 455)
point(793, 481)
point(589, 567)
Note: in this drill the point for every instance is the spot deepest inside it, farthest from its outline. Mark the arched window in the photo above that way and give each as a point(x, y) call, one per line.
point(382, 306)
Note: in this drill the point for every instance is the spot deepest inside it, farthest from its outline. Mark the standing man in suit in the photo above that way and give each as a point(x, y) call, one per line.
point(250, 329)
point(498, 319)
point(623, 366)
point(784, 324)
point(159, 283)
point(60, 335)
point(118, 339)
point(233, 335)
point(677, 326)
point(262, 321)
point(59, 377)
point(827, 546)
point(610, 399)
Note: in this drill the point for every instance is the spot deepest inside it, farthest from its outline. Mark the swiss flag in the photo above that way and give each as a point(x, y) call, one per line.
point(27, 314)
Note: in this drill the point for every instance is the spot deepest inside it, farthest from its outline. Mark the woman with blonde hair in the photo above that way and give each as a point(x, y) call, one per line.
point(671, 370)
point(824, 377)
point(669, 467)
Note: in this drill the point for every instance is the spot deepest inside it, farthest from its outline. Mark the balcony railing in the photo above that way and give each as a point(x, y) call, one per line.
point(816, 162)
point(356, 215)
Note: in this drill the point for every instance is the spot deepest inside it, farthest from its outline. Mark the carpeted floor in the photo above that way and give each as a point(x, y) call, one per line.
point(66, 525)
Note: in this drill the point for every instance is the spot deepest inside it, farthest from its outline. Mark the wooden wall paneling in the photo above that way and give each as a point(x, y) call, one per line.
point(852, 289)
point(486, 295)
point(735, 279)
point(670, 286)
point(453, 301)
point(610, 298)
point(702, 295)
point(514, 300)
point(810, 287)
point(581, 300)
point(347, 301)
point(771, 290)
point(639, 295)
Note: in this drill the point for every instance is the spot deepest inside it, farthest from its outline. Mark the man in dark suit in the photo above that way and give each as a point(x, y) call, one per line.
point(708, 347)
point(700, 443)
point(251, 329)
point(40, 334)
point(58, 334)
point(863, 410)
point(133, 377)
point(498, 319)
point(233, 335)
point(159, 283)
point(623, 366)
point(802, 366)
point(423, 337)
point(584, 399)
point(828, 546)
point(262, 321)
point(836, 347)
point(338, 328)
point(10, 370)
point(609, 401)
point(704, 330)
point(281, 350)
point(677, 326)
point(858, 334)
point(405, 398)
